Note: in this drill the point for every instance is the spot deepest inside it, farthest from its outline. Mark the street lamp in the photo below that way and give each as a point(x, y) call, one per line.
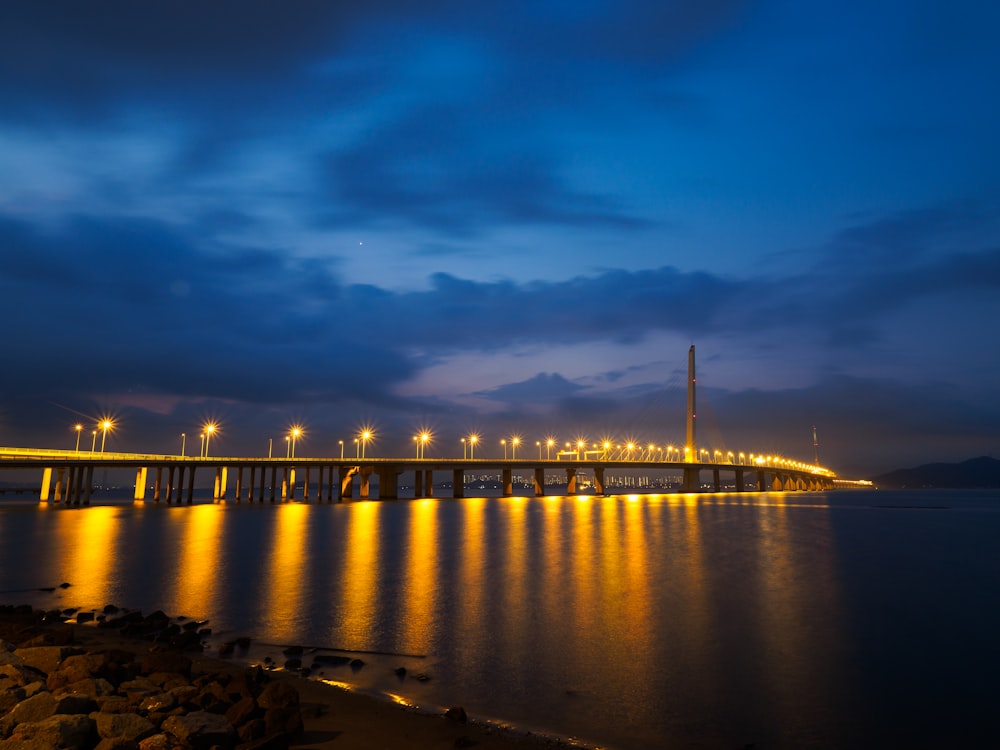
point(514, 442)
point(539, 444)
point(296, 434)
point(93, 443)
point(341, 442)
point(548, 448)
point(201, 451)
point(106, 424)
point(606, 445)
point(288, 446)
point(79, 429)
point(504, 444)
point(183, 443)
point(473, 439)
point(465, 450)
point(366, 436)
point(425, 438)
point(270, 446)
point(210, 428)
point(580, 447)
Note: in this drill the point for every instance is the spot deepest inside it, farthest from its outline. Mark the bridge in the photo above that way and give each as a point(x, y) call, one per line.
point(67, 476)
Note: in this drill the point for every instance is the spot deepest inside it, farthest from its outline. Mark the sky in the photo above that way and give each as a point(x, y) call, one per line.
point(503, 218)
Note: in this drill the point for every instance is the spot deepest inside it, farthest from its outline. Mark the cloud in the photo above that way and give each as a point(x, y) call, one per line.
point(544, 388)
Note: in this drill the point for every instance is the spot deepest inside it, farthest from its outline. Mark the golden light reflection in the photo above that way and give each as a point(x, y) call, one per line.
point(472, 567)
point(89, 553)
point(420, 575)
point(285, 571)
point(360, 575)
point(199, 531)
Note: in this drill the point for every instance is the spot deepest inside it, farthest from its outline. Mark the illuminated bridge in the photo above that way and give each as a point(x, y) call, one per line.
point(68, 476)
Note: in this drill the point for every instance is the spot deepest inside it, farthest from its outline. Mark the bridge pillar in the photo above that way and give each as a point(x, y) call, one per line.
point(274, 482)
point(43, 492)
point(346, 482)
point(740, 486)
point(89, 486)
point(716, 480)
point(692, 480)
point(251, 480)
point(291, 482)
point(365, 489)
point(776, 484)
point(599, 479)
point(190, 487)
point(539, 481)
point(329, 486)
point(571, 481)
point(761, 480)
point(171, 471)
point(158, 484)
point(387, 483)
point(60, 475)
point(508, 483)
point(418, 483)
point(458, 483)
point(305, 485)
point(71, 484)
point(140, 484)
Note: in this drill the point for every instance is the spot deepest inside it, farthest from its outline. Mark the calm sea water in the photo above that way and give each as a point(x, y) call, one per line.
point(837, 620)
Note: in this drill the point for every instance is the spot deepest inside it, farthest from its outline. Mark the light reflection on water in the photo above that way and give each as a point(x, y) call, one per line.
point(632, 621)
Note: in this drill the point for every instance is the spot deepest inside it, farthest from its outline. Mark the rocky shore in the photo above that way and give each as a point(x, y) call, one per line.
point(135, 682)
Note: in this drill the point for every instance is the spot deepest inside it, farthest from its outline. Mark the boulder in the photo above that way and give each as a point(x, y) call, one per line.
point(166, 661)
point(69, 731)
point(279, 694)
point(36, 708)
point(44, 658)
point(128, 726)
point(201, 730)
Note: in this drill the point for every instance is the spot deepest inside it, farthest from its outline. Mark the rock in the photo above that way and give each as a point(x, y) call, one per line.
point(127, 726)
point(93, 687)
point(10, 697)
point(36, 708)
point(158, 702)
point(157, 742)
point(243, 711)
point(457, 714)
point(357, 664)
point(400, 672)
point(279, 694)
point(201, 729)
point(282, 721)
point(226, 649)
point(65, 585)
point(73, 703)
point(293, 664)
point(73, 732)
point(293, 651)
point(45, 658)
point(83, 617)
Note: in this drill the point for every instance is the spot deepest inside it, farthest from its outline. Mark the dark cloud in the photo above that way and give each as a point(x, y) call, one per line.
point(542, 389)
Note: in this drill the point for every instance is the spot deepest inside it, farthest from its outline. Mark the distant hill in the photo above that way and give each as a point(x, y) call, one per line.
point(976, 473)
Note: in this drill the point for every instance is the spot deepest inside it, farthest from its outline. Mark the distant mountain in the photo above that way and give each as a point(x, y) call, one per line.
point(982, 472)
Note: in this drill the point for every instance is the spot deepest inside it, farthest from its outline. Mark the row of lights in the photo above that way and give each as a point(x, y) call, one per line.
point(607, 449)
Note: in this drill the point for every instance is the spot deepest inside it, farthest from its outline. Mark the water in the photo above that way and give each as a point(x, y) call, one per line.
point(713, 621)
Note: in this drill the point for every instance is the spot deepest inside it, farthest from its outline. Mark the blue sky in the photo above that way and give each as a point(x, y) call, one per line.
point(508, 219)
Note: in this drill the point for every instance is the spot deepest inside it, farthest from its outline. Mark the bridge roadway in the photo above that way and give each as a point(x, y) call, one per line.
point(67, 476)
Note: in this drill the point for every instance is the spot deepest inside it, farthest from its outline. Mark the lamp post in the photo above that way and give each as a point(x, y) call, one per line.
point(93, 443)
point(270, 445)
point(210, 428)
point(183, 443)
point(201, 451)
point(341, 442)
point(504, 444)
point(288, 446)
point(473, 439)
point(539, 444)
point(79, 429)
point(106, 425)
point(425, 438)
point(465, 450)
point(296, 434)
point(514, 442)
point(366, 436)
point(548, 448)
point(580, 448)
point(357, 448)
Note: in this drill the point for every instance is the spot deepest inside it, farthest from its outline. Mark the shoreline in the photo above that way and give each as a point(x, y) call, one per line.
point(335, 714)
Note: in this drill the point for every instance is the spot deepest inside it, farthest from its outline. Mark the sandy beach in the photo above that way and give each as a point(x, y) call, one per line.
point(332, 717)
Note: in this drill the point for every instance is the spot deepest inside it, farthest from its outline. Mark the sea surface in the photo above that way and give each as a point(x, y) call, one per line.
point(866, 619)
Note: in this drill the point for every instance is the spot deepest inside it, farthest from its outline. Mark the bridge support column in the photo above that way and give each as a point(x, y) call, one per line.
point(507, 480)
point(171, 478)
point(291, 482)
point(571, 481)
point(89, 486)
point(599, 479)
point(274, 481)
point(365, 489)
point(387, 483)
point(346, 483)
point(251, 481)
point(716, 480)
point(458, 483)
point(321, 471)
point(305, 485)
point(43, 492)
point(71, 483)
point(190, 487)
point(60, 475)
point(418, 483)
point(692, 479)
point(539, 482)
point(140, 484)
point(776, 485)
point(239, 484)
point(740, 487)
point(158, 484)
point(761, 480)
